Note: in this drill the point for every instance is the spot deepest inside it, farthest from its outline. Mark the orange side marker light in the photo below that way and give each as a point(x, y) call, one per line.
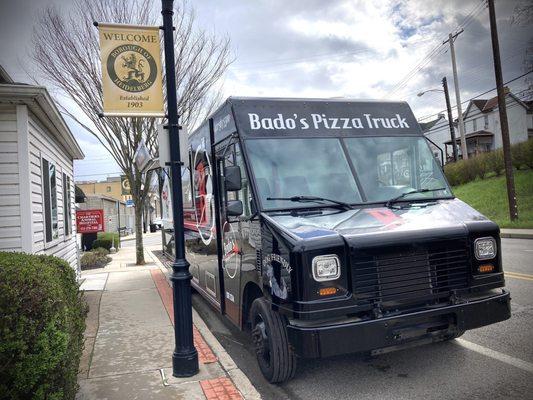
point(327, 291)
point(485, 268)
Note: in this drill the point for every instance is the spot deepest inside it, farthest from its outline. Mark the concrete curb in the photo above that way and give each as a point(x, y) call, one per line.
point(516, 233)
point(239, 378)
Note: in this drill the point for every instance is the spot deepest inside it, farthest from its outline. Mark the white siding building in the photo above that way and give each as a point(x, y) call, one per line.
point(438, 132)
point(37, 149)
point(482, 126)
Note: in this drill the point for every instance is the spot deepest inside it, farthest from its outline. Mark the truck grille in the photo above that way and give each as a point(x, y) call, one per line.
point(398, 277)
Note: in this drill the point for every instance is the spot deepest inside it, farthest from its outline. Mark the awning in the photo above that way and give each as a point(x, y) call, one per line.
point(79, 195)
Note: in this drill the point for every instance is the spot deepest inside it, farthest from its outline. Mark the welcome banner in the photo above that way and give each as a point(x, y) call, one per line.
point(131, 70)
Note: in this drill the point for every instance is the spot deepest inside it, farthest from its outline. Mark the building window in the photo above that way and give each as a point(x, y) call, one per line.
point(50, 201)
point(474, 125)
point(108, 189)
point(67, 205)
point(486, 122)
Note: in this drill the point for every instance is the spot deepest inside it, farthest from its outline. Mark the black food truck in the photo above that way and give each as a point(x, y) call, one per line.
point(327, 227)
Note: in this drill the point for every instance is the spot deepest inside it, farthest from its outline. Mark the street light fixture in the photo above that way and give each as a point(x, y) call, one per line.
point(429, 90)
point(449, 109)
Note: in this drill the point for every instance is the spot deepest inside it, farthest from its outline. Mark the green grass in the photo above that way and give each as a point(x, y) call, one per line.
point(489, 197)
point(109, 235)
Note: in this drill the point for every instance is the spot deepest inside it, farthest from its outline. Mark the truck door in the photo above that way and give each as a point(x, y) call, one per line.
point(231, 228)
point(200, 228)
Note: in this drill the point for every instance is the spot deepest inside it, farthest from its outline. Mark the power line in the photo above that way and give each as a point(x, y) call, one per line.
point(100, 174)
point(296, 60)
point(453, 108)
point(103, 158)
point(473, 13)
point(473, 70)
point(475, 97)
point(469, 71)
point(447, 128)
point(435, 52)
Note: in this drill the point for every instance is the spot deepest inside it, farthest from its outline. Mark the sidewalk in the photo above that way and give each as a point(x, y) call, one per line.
point(516, 233)
point(145, 236)
point(129, 340)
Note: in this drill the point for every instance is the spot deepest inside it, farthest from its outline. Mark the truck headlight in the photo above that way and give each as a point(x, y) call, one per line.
point(326, 268)
point(485, 248)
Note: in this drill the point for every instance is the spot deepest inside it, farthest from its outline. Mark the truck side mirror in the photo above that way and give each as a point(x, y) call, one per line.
point(232, 178)
point(234, 208)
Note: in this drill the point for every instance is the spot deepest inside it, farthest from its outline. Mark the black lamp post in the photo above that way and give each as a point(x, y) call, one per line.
point(185, 356)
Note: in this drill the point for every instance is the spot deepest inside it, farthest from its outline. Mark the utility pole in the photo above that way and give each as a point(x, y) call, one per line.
point(185, 356)
point(451, 39)
point(511, 194)
point(450, 120)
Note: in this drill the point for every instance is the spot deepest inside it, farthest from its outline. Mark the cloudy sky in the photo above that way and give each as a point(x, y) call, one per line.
point(337, 48)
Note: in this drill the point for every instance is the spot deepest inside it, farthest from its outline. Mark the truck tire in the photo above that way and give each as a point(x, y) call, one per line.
point(275, 357)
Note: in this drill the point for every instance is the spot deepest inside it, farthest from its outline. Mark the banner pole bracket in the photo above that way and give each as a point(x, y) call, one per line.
point(168, 126)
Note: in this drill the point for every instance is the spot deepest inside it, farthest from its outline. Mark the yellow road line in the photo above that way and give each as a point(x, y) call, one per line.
point(518, 275)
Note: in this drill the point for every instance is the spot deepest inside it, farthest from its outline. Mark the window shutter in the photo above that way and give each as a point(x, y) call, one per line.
point(66, 205)
point(69, 199)
point(46, 195)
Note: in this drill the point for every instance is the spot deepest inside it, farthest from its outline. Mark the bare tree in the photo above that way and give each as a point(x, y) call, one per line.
point(522, 14)
point(67, 56)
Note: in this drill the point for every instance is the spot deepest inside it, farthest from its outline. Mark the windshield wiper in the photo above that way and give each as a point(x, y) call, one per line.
point(303, 199)
point(390, 202)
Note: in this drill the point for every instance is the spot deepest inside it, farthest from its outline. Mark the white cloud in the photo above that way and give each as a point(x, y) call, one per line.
point(316, 48)
point(372, 47)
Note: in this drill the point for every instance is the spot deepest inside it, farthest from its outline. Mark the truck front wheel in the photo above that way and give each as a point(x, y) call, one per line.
point(269, 334)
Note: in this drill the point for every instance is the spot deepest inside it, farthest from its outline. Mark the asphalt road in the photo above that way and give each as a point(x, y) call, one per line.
point(494, 362)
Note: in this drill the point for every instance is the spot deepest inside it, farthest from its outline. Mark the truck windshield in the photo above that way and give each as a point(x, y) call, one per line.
point(385, 167)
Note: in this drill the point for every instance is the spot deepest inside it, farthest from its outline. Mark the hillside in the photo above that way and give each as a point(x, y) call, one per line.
point(489, 197)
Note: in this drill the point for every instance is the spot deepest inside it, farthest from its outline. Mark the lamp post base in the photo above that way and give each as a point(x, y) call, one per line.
point(185, 356)
point(184, 364)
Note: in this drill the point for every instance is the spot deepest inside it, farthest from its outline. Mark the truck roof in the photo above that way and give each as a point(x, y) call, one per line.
point(278, 117)
point(309, 99)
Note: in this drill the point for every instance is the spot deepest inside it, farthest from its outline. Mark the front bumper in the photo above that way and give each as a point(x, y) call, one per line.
point(399, 330)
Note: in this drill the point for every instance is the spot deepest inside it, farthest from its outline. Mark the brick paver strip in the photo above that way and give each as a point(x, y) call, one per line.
point(220, 389)
point(205, 354)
